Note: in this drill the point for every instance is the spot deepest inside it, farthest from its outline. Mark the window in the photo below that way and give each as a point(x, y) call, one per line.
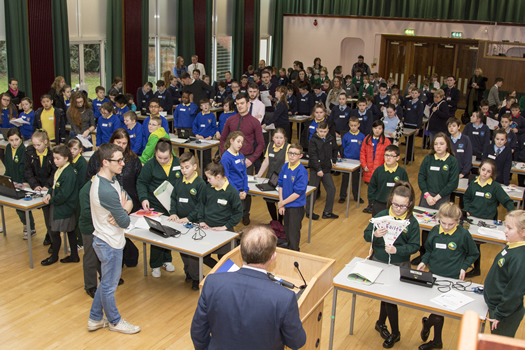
point(162, 41)
point(264, 49)
point(3, 67)
point(85, 59)
point(223, 56)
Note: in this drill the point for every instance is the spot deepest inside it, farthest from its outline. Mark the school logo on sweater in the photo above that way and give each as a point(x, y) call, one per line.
point(396, 179)
point(452, 246)
point(16, 159)
point(75, 170)
point(177, 174)
point(445, 167)
point(460, 145)
point(488, 195)
point(293, 178)
point(501, 262)
point(193, 191)
point(109, 124)
point(57, 184)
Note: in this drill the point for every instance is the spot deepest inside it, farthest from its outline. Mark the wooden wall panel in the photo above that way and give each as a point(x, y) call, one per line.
point(199, 20)
point(132, 46)
point(512, 70)
point(249, 8)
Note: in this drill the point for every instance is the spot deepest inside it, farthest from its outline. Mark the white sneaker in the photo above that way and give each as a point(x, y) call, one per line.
point(124, 327)
point(94, 325)
point(155, 272)
point(25, 236)
point(169, 266)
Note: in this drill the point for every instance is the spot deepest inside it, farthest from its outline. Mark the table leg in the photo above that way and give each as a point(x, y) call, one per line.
point(348, 193)
point(482, 326)
point(310, 214)
point(3, 222)
point(145, 255)
point(406, 151)
point(299, 131)
point(28, 227)
point(412, 148)
point(233, 244)
point(65, 242)
point(359, 187)
point(332, 320)
point(201, 260)
point(201, 152)
point(352, 315)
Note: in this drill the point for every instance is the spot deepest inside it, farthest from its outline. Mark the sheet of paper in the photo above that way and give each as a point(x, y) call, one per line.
point(452, 300)
point(141, 223)
point(270, 127)
point(178, 140)
point(492, 233)
point(163, 194)
point(492, 124)
point(463, 183)
point(265, 98)
point(19, 122)
point(85, 141)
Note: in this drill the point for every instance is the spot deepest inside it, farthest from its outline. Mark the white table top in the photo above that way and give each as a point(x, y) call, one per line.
point(22, 203)
point(212, 241)
point(389, 287)
point(205, 144)
point(346, 165)
point(517, 167)
point(270, 194)
point(408, 131)
point(515, 192)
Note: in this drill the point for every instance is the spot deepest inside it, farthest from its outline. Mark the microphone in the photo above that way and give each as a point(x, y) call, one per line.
point(281, 281)
point(296, 264)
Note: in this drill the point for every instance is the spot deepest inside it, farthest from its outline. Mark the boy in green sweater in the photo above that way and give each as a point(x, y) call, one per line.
point(384, 178)
point(157, 132)
point(186, 200)
point(450, 251)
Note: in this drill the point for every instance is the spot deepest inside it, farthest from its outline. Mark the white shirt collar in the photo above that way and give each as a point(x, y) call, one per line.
point(254, 268)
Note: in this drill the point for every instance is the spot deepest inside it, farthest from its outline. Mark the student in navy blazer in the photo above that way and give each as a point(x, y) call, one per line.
point(244, 309)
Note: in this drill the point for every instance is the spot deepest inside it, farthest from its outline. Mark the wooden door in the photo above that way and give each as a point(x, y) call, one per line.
point(396, 62)
point(423, 61)
point(467, 58)
point(444, 61)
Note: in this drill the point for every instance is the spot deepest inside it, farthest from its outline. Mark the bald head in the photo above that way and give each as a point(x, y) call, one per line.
point(258, 244)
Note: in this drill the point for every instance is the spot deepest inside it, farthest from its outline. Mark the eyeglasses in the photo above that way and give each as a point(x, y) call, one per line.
point(121, 160)
point(291, 154)
point(397, 206)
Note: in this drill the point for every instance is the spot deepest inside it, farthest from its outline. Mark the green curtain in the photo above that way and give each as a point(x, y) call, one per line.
point(256, 32)
point(237, 37)
point(277, 33)
point(17, 45)
point(61, 39)
point(145, 39)
point(208, 38)
point(185, 31)
point(114, 36)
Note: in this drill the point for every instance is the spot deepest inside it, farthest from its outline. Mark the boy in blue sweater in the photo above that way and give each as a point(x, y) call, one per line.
point(122, 107)
point(134, 130)
point(101, 99)
point(107, 124)
point(185, 113)
point(205, 127)
point(351, 149)
point(364, 116)
point(293, 180)
point(164, 96)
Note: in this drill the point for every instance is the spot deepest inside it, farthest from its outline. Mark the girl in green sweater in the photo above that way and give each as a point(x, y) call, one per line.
point(15, 154)
point(505, 282)
point(481, 200)
point(63, 201)
point(400, 204)
point(450, 251)
point(80, 166)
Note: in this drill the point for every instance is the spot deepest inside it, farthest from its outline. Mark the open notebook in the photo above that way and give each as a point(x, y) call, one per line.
point(364, 273)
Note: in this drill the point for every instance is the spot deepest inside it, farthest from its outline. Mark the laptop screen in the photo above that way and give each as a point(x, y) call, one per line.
point(274, 178)
point(154, 224)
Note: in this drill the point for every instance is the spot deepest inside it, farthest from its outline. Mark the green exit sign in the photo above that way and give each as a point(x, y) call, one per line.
point(456, 34)
point(410, 32)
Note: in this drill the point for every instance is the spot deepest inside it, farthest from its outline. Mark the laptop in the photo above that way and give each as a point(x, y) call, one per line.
point(8, 189)
point(160, 229)
point(184, 133)
point(4, 132)
point(271, 184)
point(421, 278)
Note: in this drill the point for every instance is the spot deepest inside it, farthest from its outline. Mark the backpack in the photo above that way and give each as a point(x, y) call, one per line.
point(278, 229)
point(130, 255)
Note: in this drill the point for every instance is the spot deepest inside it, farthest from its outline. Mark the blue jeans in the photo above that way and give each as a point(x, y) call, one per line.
point(111, 265)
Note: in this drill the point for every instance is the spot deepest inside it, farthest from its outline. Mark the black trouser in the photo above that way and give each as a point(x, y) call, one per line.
point(45, 211)
point(329, 186)
point(377, 208)
point(191, 264)
point(90, 263)
point(424, 233)
point(247, 202)
point(293, 218)
point(272, 209)
point(56, 242)
point(355, 184)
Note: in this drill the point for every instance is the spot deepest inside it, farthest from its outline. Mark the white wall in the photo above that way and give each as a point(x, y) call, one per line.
point(86, 19)
point(266, 16)
point(167, 14)
point(224, 17)
point(303, 41)
point(2, 16)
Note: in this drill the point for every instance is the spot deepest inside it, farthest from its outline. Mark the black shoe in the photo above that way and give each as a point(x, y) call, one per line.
point(70, 259)
point(391, 340)
point(361, 201)
point(188, 278)
point(416, 260)
point(195, 285)
point(342, 200)
point(473, 273)
point(336, 173)
point(383, 330)
point(246, 220)
point(120, 281)
point(91, 292)
point(431, 345)
point(314, 216)
point(424, 332)
point(47, 240)
point(49, 261)
point(368, 210)
point(330, 216)
point(50, 250)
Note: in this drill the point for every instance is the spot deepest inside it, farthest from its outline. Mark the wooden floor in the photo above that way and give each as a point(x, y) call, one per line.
point(47, 307)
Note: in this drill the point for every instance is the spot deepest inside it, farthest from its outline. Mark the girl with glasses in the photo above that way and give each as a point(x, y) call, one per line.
point(400, 206)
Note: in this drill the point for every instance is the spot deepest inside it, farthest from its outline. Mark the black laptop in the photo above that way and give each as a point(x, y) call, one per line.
point(271, 184)
point(8, 189)
point(160, 229)
point(421, 278)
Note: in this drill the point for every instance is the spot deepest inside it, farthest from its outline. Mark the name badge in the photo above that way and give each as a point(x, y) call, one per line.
point(177, 167)
point(385, 121)
point(492, 157)
point(503, 252)
point(105, 125)
point(480, 194)
point(222, 201)
point(435, 168)
point(409, 109)
point(460, 151)
point(303, 100)
point(52, 118)
point(475, 133)
point(131, 136)
point(390, 184)
point(271, 155)
point(284, 176)
point(183, 109)
point(183, 200)
point(237, 161)
point(441, 246)
point(342, 116)
point(354, 140)
point(203, 125)
point(312, 127)
point(449, 98)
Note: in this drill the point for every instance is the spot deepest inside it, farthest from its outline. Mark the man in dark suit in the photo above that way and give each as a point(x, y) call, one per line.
point(244, 309)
